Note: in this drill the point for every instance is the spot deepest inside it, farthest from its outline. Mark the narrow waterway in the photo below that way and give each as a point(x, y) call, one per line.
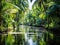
point(27, 35)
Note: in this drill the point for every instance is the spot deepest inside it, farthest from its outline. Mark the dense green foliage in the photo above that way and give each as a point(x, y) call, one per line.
point(45, 13)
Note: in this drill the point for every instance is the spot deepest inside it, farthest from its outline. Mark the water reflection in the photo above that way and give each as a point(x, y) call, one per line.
point(30, 42)
point(29, 36)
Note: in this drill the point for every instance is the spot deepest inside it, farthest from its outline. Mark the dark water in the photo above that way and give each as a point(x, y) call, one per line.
point(27, 35)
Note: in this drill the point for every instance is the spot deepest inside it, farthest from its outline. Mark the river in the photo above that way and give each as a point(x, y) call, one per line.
point(27, 35)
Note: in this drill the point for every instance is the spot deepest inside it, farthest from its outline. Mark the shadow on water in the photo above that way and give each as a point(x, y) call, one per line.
point(27, 35)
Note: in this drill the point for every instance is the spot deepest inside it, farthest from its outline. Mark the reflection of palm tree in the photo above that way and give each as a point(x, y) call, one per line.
point(30, 41)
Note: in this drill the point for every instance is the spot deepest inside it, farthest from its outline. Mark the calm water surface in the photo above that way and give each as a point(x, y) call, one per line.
point(26, 35)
